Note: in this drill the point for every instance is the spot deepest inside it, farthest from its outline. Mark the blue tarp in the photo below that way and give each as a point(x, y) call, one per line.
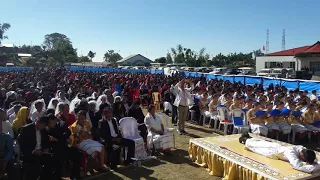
point(9, 69)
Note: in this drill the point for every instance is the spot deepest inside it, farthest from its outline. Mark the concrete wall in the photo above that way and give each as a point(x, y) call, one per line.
point(305, 62)
point(260, 61)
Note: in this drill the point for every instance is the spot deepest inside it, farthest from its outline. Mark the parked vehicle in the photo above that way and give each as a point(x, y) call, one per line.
point(303, 75)
point(264, 72)
point(232, 72)
point(291, 73)
point(278, 73)
point(221, 70)
point(246, 71)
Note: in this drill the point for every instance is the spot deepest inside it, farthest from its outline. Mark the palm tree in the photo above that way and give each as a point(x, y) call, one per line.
point(3, 28)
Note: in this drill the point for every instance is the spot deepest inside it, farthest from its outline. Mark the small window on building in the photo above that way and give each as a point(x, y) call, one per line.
point(293, 65)
point(273, 65)
point(265, 64)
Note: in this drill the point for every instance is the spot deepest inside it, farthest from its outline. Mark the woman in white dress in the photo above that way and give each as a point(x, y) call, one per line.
point(157, 137)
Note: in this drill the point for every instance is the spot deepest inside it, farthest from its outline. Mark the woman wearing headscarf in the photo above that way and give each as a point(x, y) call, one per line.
point(62, 98)
point(22, 119)
point(101, 100)
point(53, 103)
point(64, 115)
point(37, 109)
point(119, 110)
point(11, 97)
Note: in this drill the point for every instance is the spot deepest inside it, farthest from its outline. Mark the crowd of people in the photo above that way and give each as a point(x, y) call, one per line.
point(54, 116)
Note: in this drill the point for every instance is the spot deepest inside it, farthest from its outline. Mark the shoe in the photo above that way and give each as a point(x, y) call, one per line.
point(179, 132)
point(184, 132)
point(244, 136)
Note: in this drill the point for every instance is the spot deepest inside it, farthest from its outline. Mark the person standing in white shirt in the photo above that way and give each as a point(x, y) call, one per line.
point(182, 101)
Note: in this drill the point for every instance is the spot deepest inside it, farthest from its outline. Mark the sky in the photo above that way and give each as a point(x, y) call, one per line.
point(152, 27)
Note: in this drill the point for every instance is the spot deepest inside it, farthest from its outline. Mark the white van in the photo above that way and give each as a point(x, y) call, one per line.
point(221, 70)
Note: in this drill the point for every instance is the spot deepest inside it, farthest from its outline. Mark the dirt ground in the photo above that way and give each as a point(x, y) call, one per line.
point(175, 167)
point(178, 166)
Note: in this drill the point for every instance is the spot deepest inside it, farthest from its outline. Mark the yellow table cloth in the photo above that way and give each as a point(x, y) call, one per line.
point(225, 157)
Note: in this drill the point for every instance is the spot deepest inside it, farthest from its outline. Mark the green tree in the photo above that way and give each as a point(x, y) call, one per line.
point(112, 57)
point(91, 55)
point(51, 39)
point(160, 60)
point(63, 51)
point(84, 59)
point(169, 59)
point(188, 56)
point(3, 28)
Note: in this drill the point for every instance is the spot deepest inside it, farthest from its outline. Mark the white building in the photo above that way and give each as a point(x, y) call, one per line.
point(296, 58)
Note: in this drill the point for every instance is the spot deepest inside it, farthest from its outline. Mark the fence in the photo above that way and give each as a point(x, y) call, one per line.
point(98, 69)
point(266, 81)
point(10, 69)
point(247, 80)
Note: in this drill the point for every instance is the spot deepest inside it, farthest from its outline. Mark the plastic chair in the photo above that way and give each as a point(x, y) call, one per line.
point(238, 119)
point(168, 125)
point(204, 116)
point(129, 129)
point(168, 132)
point(224, 119)
point(214, 116)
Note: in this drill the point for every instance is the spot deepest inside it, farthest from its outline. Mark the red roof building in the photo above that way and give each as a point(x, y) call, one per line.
point(315, 48)
point(305, 57)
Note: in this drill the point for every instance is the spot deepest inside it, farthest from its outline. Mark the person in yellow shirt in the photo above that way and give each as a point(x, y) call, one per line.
point(257, 125)
point(309, 117)
point(270, 122)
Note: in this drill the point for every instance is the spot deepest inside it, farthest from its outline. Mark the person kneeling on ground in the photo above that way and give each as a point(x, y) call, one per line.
point(299, 157)
point(81, 137)
point(157, 137)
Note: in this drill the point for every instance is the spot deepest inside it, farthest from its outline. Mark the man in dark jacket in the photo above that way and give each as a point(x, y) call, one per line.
point(110, 133)
point(33, 141)
point(59, 134)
